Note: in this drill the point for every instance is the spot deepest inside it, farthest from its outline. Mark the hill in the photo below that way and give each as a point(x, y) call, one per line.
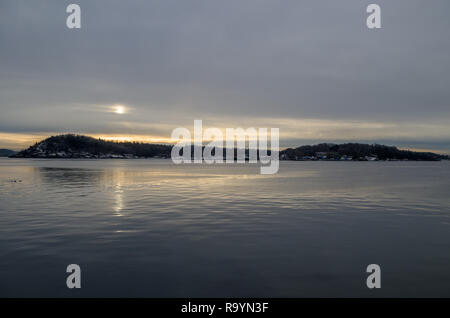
point(355, 151)
point(78, 146)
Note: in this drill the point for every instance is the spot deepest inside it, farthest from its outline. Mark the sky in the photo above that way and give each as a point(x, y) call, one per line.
point(136, 70)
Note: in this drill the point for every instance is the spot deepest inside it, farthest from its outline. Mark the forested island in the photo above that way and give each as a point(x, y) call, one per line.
point(79, 146)
point(356, 151)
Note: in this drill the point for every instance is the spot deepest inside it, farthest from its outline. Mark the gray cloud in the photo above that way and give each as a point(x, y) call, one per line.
point(173, 61)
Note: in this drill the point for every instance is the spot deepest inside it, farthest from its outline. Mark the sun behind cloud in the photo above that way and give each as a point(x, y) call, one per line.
point(119, 109)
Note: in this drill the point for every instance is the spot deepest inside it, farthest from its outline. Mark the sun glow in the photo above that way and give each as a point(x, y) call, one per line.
point(119, 109)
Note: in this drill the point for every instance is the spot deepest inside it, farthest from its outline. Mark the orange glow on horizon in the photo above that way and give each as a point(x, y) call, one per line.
point(18, 141)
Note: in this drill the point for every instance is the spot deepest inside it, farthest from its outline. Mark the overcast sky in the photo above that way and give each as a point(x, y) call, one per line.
point(311, 68)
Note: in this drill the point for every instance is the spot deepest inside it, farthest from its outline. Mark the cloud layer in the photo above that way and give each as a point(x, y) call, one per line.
point(311, 68)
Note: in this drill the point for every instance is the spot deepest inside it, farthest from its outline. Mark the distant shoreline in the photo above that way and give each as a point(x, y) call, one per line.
point(157, 158)
point(71, 146)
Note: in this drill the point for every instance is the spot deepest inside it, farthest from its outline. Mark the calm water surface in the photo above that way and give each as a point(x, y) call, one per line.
point(148, 228)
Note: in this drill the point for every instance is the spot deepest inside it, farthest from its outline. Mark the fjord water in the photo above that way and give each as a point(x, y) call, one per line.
point(148, 228)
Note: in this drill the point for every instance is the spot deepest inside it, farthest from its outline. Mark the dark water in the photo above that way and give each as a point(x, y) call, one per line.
point(148, 228)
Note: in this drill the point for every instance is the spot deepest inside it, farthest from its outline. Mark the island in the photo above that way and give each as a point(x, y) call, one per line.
point(85, 147)
point(356, 152)
point(7, 152)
